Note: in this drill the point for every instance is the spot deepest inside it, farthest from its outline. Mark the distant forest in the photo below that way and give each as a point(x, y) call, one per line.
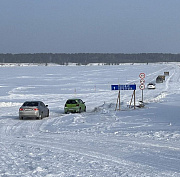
point(88, 58)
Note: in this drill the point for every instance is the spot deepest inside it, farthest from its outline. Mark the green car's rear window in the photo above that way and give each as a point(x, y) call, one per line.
point(71, 102)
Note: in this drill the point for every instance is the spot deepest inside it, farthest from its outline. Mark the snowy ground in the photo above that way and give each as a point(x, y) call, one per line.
point(102, 141)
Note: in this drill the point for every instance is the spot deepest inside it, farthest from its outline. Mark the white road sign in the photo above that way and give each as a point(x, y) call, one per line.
point(142, 86)
point(142, 81)
point(142, 75)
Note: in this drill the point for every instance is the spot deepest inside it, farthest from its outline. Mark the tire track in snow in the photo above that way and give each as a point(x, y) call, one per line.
point(16, 135)
point(126, 166)
point(44, 140)
point(59, 146)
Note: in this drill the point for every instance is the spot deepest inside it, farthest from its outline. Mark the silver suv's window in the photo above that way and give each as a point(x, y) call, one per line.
point(30, 104)
point(42, 104)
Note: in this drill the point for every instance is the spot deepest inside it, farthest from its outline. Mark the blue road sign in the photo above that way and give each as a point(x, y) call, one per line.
point(114, 87)
point(123, 87)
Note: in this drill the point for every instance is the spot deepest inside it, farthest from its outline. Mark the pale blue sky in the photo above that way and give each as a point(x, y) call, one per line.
point(89, 26)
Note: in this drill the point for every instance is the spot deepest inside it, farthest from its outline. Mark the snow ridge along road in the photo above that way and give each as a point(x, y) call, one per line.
point(100, 142)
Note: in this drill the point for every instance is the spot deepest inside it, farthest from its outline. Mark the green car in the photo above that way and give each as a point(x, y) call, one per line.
point(74, 106)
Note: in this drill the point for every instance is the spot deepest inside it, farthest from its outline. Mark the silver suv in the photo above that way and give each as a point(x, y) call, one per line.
point(33, 109)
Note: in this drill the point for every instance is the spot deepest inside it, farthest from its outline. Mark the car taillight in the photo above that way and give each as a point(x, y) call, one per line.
point(77, 104)
point(21, 109)
point(36, 109)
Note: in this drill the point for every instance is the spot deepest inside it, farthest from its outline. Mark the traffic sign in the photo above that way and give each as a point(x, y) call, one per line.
point(123, 87)
point(142, 75)
point(142, 81)
point(142, 86)
point(114, 87)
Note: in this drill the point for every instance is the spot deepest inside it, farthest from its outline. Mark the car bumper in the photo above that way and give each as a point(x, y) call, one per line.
point(72, 110)
point(29, 114)
point(151, 87)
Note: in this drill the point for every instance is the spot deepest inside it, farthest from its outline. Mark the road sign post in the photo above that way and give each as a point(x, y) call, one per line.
point(142, 81)
point(123, 87)
point(118, 101)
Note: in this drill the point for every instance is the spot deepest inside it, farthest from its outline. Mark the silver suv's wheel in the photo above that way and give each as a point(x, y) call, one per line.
point(40, 117)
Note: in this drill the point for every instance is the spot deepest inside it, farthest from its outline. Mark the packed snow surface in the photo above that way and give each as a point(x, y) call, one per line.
point(101, 142)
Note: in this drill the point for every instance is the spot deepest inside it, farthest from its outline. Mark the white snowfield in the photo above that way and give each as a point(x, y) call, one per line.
point(101, 142)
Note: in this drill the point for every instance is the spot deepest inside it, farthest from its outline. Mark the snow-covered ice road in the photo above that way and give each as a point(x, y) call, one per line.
point(100, 142)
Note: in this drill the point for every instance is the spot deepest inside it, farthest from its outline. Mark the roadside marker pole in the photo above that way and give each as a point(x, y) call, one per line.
point(75, 92)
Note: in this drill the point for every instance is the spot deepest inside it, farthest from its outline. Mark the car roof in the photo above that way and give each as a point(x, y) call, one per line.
point(74, 99)
point(32, 101)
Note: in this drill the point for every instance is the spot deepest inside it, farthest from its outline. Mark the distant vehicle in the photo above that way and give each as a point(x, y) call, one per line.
point(160, 79)
point(151, 86)
point(74, 106)
point(33, 109)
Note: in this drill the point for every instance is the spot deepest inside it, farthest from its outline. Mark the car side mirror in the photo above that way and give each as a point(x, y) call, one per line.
point(46, 105)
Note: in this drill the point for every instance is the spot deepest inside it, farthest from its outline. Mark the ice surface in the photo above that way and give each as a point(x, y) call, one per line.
point(100, 142)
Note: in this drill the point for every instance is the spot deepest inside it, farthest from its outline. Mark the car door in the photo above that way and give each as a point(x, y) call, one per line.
point(43, 109)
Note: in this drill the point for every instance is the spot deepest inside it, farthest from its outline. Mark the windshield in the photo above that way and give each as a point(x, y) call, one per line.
point(30, 104)
point(71, 102)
